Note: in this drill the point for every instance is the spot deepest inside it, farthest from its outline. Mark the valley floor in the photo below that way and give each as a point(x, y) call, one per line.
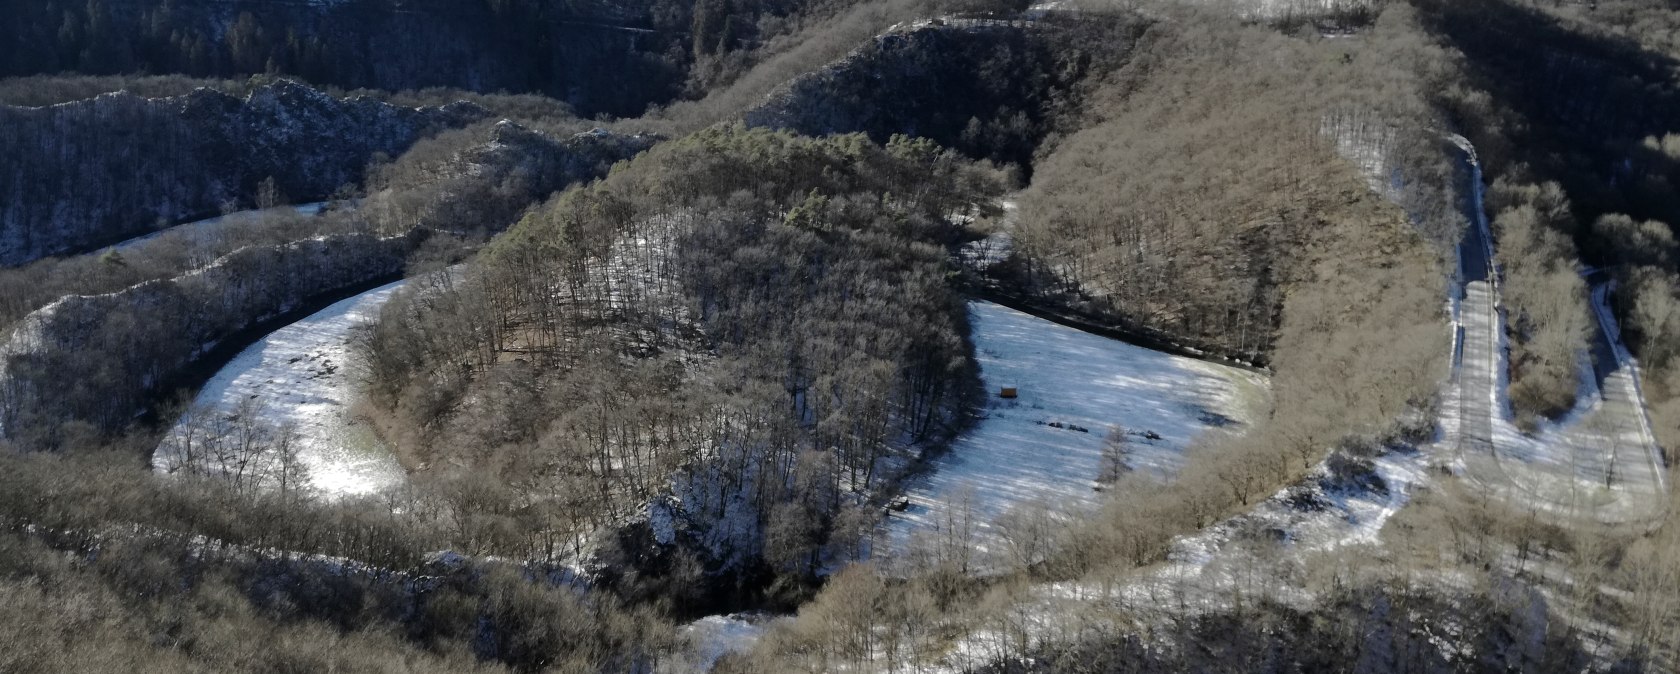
point(1046, 445)
point(301, 375)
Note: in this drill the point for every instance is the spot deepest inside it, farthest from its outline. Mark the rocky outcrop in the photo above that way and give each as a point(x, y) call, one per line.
point(80, 175)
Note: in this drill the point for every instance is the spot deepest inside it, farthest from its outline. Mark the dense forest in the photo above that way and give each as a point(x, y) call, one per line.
point(688, 325)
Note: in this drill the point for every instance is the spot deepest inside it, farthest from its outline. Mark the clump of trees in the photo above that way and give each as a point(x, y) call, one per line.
point(1545, 298)
point(748, 329)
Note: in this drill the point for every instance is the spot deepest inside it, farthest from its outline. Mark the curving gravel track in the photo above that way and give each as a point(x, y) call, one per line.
point(1600, 462)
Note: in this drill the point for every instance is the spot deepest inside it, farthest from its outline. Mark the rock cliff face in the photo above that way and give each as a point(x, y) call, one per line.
point(80, 175)
point(95, 361)
point(984, 89)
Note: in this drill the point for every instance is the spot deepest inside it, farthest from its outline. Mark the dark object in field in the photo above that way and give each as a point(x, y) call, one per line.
point(1305, 499)
point(1007, 392)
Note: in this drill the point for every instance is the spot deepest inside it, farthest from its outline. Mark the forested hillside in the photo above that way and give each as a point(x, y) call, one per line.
point(992, 91)
point(602, 58)
point(749, 330)
point(94, 172)
point(769, 336)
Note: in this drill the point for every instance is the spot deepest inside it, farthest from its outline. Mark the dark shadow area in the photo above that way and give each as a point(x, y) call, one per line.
point(1577, 108)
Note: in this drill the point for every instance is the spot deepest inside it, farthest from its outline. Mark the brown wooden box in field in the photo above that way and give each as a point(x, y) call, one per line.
point(1007, 392)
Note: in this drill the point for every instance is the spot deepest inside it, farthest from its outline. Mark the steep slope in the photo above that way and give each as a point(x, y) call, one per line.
point(80, 175)
point(988, 89)
point(601, 57)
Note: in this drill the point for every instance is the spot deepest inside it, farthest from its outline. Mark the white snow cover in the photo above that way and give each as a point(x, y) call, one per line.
point(1063, 375)
point(715, 636)
point(200, 230)
point(302, 376)
point(1278, 9)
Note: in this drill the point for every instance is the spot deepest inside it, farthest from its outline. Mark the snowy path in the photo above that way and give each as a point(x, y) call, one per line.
point(201, 229)
point(301, 376)
point(1075, 379)
point(1599, 463)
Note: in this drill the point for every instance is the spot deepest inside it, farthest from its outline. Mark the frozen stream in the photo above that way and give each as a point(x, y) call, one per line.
point(300, 376)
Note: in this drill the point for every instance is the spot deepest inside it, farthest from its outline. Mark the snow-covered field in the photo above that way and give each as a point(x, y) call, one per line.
point(1017, 453)
point(300, 375)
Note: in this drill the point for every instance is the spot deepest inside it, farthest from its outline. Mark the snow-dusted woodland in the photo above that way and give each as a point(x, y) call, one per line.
point(1047, 445)
point(1599, 463)
point(1258, 554)
point(72, 360)
point(300, 377)
point(199, 152)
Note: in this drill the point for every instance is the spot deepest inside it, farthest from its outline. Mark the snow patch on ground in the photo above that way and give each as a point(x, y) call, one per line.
point(200, 231)
point(712, 637)
point(1017, 453)
point(302, 376)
